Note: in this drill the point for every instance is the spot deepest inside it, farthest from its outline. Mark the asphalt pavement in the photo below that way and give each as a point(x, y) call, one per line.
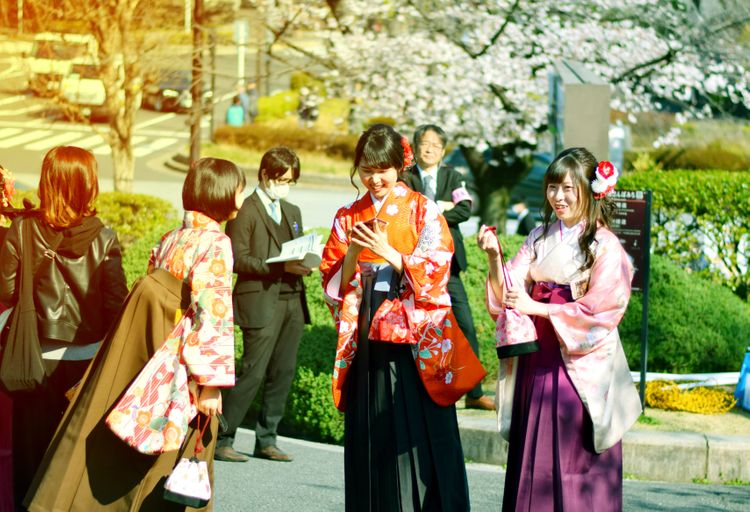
point(314, 482)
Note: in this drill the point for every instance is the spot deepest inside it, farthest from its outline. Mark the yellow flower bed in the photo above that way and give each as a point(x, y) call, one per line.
point(666, 395)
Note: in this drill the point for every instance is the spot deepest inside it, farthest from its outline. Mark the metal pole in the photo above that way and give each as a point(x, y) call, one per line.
point(196, 88)
point(188, 14)
point(644, 315)
point(259, 30)
point(241, 63)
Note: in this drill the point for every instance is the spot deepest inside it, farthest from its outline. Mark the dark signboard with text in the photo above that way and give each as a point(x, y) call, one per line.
point(632, 225)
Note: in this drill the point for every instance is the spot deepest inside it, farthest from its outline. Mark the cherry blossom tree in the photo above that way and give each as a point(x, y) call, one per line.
point(480, 68)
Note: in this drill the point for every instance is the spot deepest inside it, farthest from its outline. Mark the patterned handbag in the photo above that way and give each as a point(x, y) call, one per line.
point(189, 483)
point(154, 412)
point(515, 333)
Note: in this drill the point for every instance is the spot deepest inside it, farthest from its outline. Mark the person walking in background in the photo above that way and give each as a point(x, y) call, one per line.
point(445, 186)
point(185, 297)
point(235, 113)
point(79, 287)
point(251, 106)
point(401, 362)
point(573, 400)
point(525, 221)
point(270, 305)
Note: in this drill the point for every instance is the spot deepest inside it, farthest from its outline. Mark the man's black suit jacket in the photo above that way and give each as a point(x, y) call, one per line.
point(255, 238)
point(448, 180)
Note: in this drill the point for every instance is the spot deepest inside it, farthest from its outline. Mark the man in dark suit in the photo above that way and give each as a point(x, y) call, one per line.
point(445, 186)
point(526, 222)
point(269, 305)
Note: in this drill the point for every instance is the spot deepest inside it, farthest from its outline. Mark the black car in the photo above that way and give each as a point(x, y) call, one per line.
point(171, 91)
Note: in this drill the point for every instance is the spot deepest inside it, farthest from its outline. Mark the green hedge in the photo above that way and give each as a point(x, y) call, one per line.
point(717, 154)
point(262, 137)
point(698, 208)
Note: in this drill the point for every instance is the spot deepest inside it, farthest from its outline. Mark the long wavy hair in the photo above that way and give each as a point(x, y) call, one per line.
point(580, 164)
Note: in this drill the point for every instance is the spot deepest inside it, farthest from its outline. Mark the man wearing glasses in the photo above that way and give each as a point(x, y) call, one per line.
point(445, 186)
point(269, 306)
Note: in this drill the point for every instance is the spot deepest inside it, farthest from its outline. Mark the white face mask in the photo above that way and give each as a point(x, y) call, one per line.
point(276, 191)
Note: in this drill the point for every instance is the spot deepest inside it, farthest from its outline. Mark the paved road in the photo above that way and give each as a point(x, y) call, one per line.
point(315, 482)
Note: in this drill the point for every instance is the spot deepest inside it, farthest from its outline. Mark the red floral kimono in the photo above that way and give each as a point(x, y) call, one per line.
point(421, 315)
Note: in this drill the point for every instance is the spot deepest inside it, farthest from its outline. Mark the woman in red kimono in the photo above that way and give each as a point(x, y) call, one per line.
point(401, 361)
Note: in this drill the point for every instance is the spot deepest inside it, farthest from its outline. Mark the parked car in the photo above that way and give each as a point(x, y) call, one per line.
point(52, 56)
point(170, 91)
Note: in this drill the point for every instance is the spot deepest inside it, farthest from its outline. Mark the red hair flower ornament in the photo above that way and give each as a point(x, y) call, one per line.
point(408, 153)
point(605, 179)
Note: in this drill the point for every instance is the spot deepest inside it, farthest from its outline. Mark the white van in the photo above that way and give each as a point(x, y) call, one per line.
point(83, 90)
point(52, 56)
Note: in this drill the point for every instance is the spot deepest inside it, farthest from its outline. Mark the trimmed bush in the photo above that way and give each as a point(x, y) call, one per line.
point(263, 137)
point(701, 221)
point(278, 106)
point(694, 326)
point(300, 79)
point(714, 155)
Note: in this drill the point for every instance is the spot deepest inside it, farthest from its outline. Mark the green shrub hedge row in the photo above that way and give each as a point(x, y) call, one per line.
point(714, 155)
point(701, 212)
point(262, 137)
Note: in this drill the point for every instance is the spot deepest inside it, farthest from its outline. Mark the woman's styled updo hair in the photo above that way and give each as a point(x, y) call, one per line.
point(211, 186)
point(580, 164)
point(379, 147)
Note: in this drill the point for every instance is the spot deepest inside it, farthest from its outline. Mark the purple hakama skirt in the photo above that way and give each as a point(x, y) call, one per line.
point(552, 465)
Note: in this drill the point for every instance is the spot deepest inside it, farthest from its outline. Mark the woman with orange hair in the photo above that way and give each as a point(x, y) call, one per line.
point(79, 287)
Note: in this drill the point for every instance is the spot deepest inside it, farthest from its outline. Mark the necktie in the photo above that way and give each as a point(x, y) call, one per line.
point(429, 186)
point(275, 212)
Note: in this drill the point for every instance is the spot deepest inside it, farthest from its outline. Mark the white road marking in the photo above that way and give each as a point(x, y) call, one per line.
point(58, 140)
point(24, 110)
point(106, 150)
point(24, 138)
point(156, 120)
point(8, 132)
point(152, 146)
point(12, 99)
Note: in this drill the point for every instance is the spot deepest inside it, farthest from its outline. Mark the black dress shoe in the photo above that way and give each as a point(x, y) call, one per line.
point(229, 454)
point(272, 453)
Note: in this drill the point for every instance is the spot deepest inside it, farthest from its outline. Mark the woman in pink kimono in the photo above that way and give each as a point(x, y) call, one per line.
point(187, 294)
point(565, 407)
point(401, 361)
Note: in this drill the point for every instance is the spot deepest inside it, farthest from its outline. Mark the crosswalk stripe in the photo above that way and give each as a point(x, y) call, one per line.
point(24, 138)
point(58, 140)
point(90, 142)
point(11, 99)
point(152, 146)
point(7, 132)
point(104, 149)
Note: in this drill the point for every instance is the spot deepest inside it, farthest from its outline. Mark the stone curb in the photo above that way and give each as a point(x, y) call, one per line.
point(647, 455)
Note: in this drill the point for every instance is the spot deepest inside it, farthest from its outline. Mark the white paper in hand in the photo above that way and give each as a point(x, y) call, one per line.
point(306, 248)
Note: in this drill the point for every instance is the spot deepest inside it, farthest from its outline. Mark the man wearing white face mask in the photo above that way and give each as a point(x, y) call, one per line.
point(269, 305)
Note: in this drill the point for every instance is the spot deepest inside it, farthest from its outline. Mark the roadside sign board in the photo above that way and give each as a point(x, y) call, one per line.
point(632, 225)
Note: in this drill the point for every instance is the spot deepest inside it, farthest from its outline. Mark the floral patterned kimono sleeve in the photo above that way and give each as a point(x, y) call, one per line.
point(586, 323)
point(333, 260)
point(209, 347)
point(519, 272)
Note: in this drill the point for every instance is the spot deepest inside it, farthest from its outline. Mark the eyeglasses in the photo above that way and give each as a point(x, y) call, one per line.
point(291, 183)
point(431, 145)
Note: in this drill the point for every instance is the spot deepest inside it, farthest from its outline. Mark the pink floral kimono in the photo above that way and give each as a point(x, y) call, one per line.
point(565, 409)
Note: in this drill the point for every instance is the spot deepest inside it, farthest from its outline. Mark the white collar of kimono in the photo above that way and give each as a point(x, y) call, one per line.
point(377, 203)
point(565, 230)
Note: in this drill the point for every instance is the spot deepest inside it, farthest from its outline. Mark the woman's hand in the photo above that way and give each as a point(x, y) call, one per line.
point(209, 401)
point(516, 298)
point(376, 240)
point(488, 242)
